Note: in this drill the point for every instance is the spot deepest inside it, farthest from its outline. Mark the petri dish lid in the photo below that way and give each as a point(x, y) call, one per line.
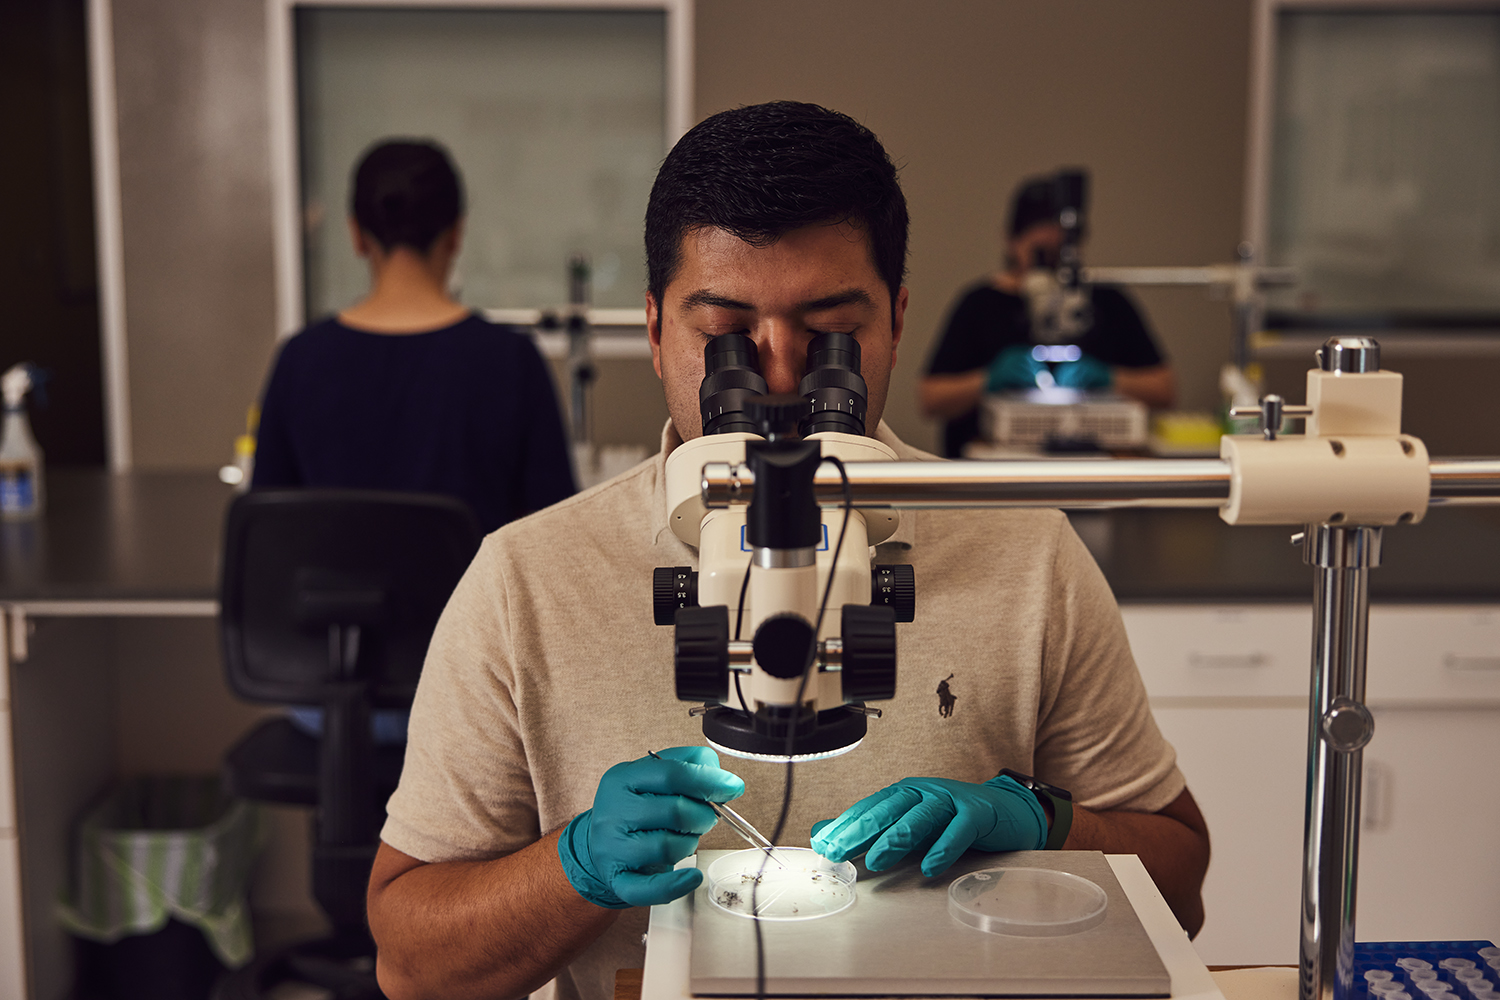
point(793, 883)
point(1026, 902)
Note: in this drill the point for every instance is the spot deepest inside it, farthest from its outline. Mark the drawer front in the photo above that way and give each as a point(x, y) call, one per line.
point(1222, 651)
point(1434, 655)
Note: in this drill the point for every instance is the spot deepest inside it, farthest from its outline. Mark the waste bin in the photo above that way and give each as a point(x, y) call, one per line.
point(157, 899)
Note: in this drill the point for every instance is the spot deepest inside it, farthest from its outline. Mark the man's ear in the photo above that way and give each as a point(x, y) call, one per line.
point(653, 331)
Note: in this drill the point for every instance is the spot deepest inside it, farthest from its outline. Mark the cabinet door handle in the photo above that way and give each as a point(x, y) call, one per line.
point(1228, 661)
point(1458, 661)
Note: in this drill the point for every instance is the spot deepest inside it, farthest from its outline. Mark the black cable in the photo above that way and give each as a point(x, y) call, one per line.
point(739, 618)
point(791, 735)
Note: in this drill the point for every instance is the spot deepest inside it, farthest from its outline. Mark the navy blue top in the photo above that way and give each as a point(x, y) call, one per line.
point(986, 321)
point(468, 411)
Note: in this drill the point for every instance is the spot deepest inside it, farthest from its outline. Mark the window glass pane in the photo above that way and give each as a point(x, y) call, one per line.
point(1385, 183)
point(556, 120)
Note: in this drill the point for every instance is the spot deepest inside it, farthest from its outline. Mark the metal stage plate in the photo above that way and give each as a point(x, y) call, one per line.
point(898, 939)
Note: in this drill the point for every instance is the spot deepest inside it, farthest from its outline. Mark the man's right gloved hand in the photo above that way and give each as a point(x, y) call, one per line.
point(648, 814)
point(1013, 368)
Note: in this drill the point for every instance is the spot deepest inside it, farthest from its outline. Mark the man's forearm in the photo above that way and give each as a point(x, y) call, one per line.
point(1172, 845)
point(477, 929)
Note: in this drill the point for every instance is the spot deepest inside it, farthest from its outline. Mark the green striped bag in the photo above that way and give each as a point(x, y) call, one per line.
point(166, 846)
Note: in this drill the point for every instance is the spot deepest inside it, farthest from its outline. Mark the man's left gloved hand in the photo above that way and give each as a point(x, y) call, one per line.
point(952, 816)
point(1085, 373)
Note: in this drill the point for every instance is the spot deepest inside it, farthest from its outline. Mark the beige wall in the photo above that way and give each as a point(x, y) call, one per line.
point(969, 95)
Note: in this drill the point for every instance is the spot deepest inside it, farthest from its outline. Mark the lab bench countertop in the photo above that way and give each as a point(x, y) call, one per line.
point(1182, 556)
point(155, 536)
point(139, 536)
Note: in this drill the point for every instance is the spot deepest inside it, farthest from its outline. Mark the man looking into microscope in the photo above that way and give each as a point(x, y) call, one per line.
point(519, 849)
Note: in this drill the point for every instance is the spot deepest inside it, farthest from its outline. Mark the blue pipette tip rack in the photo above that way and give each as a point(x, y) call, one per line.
point(1444, 958)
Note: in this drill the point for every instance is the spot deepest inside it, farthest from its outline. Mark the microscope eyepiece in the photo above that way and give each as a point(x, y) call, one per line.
point(731, 376)
point(834, 386)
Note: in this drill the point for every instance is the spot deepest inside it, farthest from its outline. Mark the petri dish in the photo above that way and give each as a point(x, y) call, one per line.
point(1026, 902)
point(789, 883)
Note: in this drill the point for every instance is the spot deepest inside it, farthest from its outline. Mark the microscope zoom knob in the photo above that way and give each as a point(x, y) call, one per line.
point(869, 634)
point(672, 587)
point(895, 586)
point(701, 654)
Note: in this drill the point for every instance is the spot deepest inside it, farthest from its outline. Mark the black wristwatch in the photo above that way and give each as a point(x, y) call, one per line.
point(1060, 799)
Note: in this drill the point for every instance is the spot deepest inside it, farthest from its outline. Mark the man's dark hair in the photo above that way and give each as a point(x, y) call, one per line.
point(761, 171)
point(406, 193)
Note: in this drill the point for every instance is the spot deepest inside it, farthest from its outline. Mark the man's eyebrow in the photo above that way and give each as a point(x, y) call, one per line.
point(852, 297)
point(703, 297)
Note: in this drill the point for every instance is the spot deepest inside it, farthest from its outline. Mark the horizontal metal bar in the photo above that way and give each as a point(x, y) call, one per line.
point(907, 485)
point(1163, 482)
point(1212, 274)
point(1465, 482)
point(113, 608)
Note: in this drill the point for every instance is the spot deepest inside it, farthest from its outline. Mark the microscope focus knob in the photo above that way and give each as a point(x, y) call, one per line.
point(895, 586)
point(869, 634)
point(701, 652)
point(673, 587)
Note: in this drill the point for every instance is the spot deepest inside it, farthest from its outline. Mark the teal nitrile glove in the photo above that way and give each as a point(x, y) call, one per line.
point(648, 814)
point(1085, 373)
point(1013, 368)
point(953, 816)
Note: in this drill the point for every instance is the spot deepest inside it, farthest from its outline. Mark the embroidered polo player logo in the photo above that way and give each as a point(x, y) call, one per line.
point(946, 697)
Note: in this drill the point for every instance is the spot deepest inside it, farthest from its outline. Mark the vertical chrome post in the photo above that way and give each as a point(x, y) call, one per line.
point(1339, 726)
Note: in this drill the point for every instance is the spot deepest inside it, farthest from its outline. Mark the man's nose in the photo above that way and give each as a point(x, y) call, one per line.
point(783, 358)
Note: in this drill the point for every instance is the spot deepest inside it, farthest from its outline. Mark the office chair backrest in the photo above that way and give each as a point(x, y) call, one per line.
point(323, 587)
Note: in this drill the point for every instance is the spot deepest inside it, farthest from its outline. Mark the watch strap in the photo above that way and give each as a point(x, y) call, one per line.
point(1062, 820)
point(1059, 799)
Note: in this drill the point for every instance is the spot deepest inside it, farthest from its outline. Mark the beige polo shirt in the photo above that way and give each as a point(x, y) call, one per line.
point(546, 669)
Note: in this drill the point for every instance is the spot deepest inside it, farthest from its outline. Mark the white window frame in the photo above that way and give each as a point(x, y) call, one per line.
point(282, 73)
point(1256, 221)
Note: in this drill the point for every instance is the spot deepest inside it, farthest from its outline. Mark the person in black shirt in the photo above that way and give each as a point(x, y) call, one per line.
point(986, 343)
point(408, 390)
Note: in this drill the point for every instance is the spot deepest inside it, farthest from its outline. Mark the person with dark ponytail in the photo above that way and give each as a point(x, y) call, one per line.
point(408, 389)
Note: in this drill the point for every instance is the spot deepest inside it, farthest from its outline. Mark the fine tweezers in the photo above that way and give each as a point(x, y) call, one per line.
point(739, 825)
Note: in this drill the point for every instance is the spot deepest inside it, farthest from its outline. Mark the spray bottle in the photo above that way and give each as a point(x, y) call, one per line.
point(21, 493)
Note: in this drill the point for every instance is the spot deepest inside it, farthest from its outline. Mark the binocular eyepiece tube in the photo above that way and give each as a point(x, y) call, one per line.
point(833, 387)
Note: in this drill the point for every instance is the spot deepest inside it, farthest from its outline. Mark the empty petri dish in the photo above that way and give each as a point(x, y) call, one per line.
point(1027, 902)
point(791, 883)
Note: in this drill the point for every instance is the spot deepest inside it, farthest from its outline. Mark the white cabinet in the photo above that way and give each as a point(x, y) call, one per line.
point(1229, 686)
